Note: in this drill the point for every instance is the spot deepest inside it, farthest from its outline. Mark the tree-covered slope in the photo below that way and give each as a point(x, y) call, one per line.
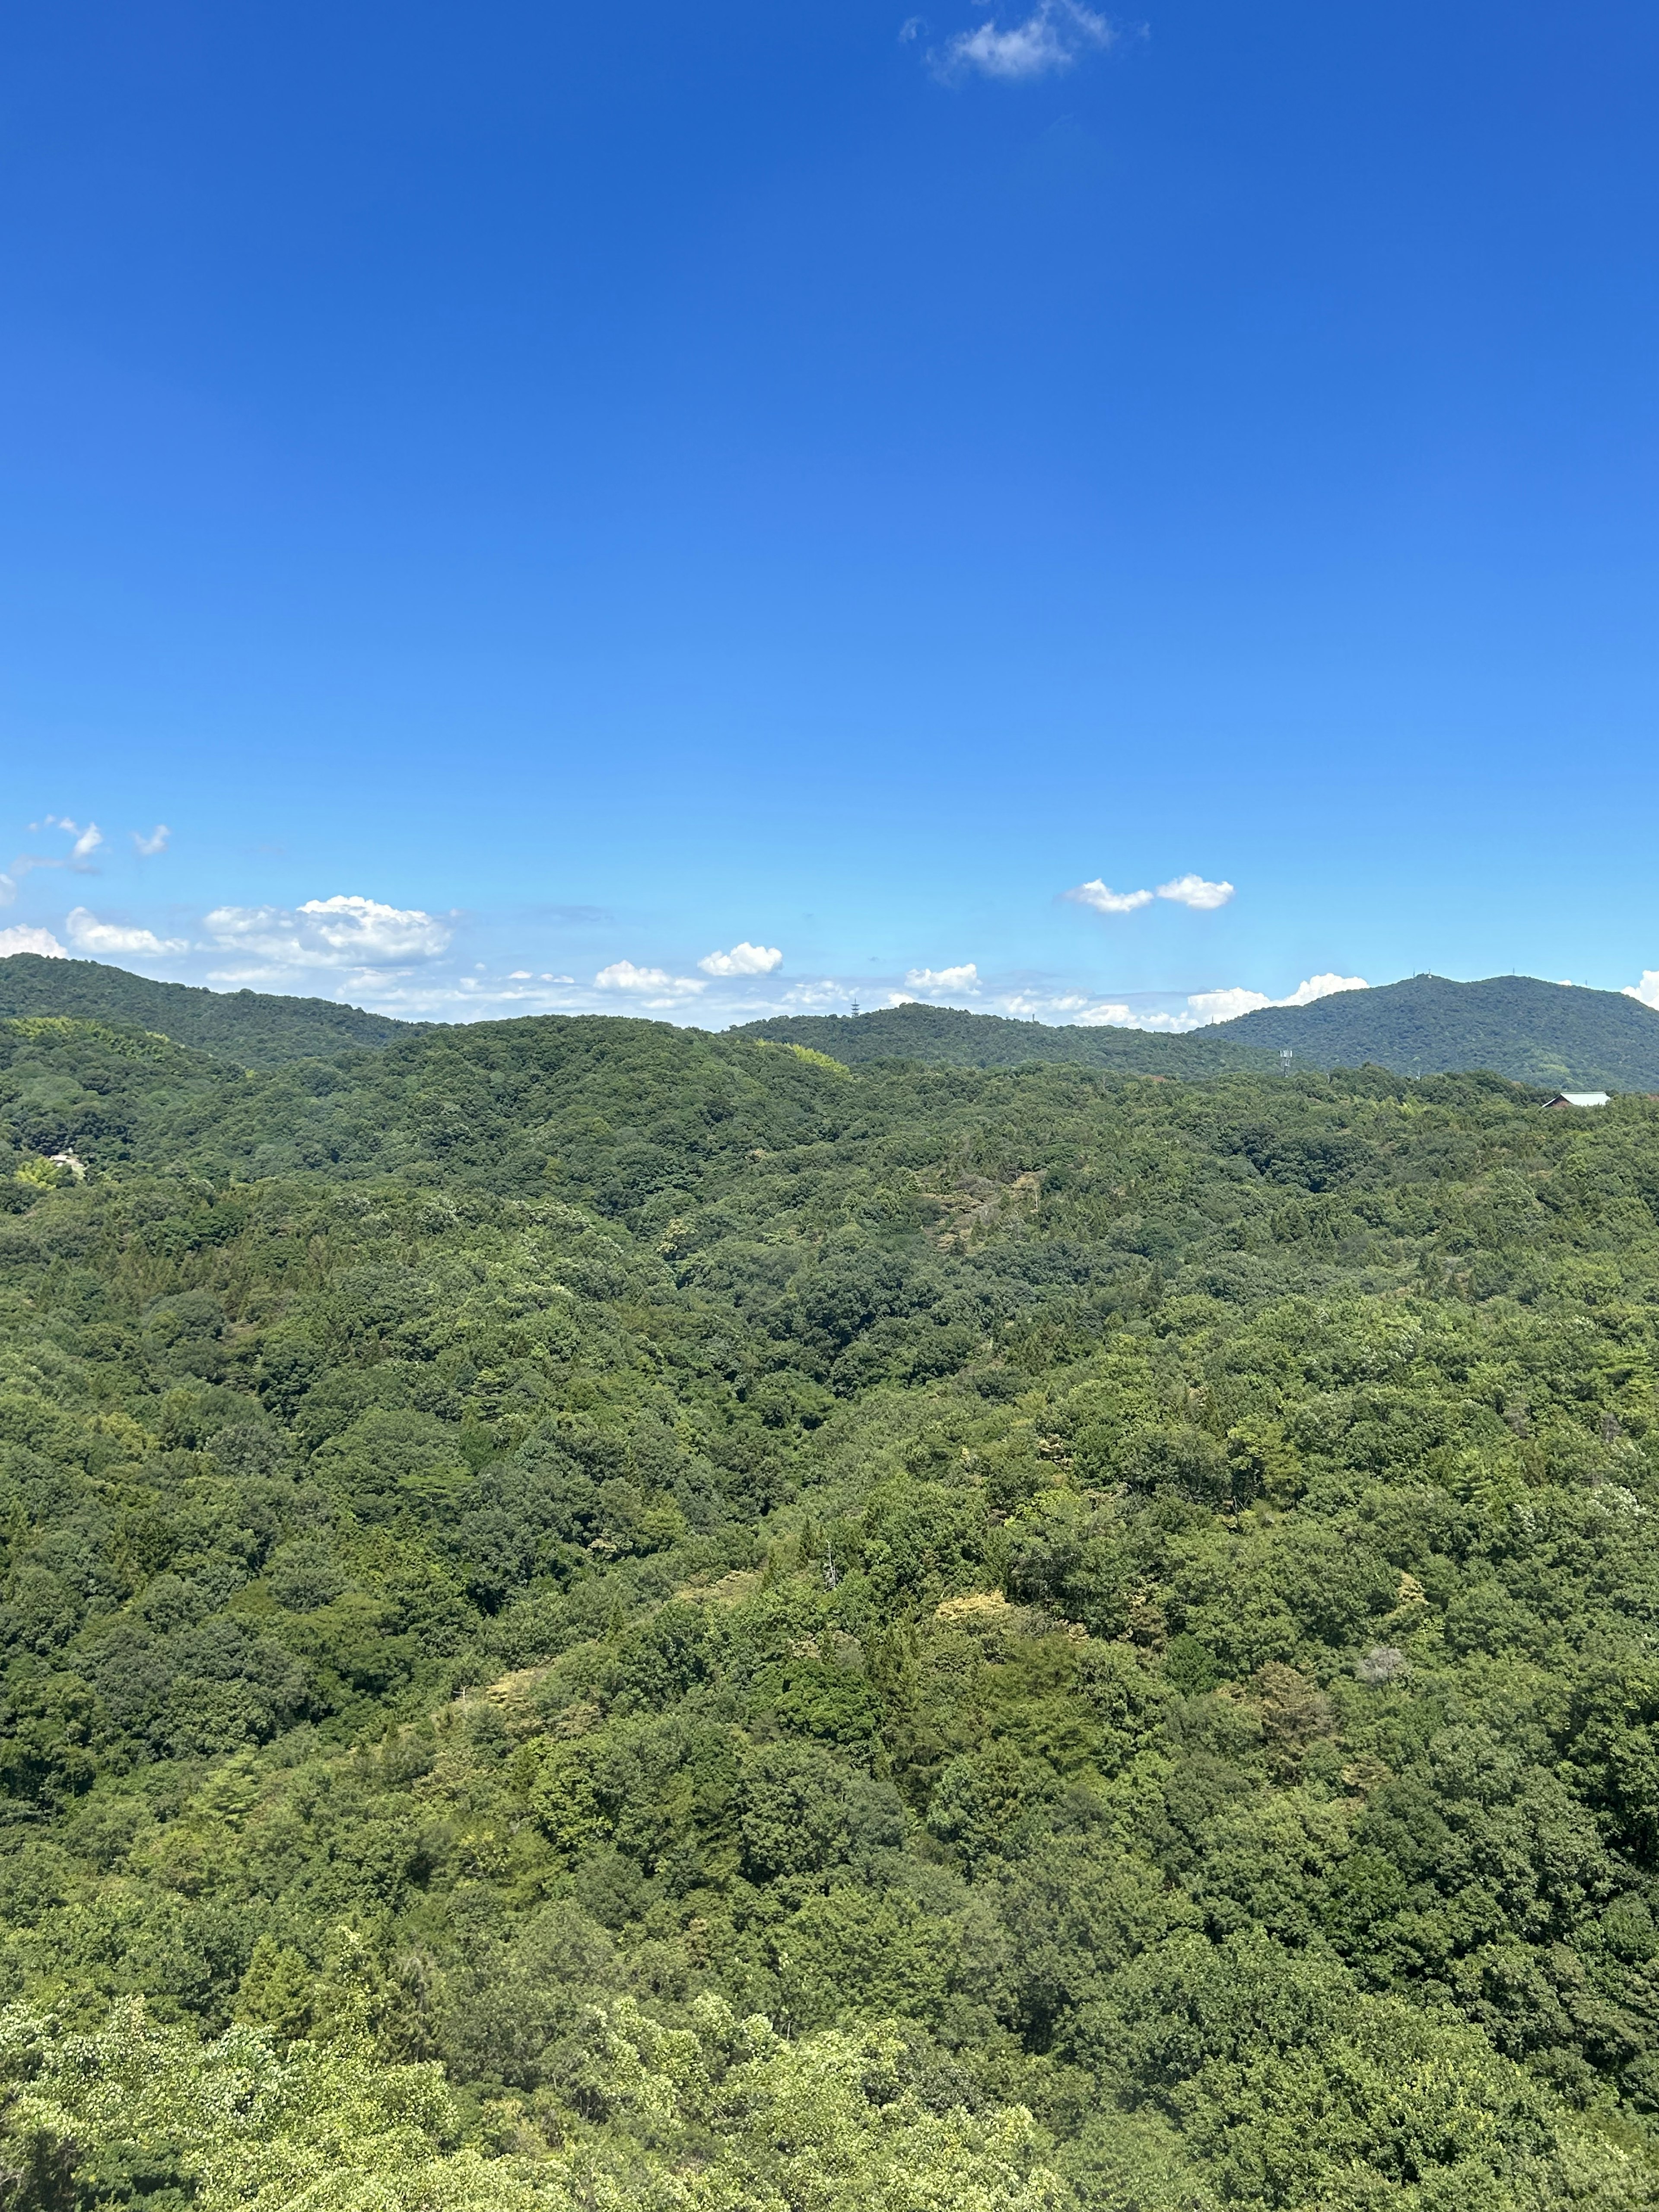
point(1555, 1034)
point(254, 1029)
point(598, 1616)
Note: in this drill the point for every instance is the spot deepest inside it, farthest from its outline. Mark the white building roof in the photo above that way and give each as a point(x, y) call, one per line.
point(1579, 1098)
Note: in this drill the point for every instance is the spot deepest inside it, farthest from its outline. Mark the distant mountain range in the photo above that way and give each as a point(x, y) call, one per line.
point(950, 1038)
point(1551, 1035)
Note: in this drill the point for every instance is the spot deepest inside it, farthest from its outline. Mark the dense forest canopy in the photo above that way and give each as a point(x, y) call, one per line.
point(598, 1615)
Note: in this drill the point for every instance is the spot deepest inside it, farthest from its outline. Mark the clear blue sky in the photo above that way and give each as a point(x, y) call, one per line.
point(611, 485)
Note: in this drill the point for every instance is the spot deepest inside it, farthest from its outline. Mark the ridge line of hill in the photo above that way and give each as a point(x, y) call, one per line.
point(1546, 1035)
point(254, 1029)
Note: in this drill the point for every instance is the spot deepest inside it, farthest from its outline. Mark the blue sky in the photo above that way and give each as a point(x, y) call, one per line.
point(528, 496)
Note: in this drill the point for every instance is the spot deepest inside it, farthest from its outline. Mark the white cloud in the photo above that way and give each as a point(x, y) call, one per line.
point(1115, 1016)
point(87, 934)
point(1194, 891)
point(743, 959)
point(363, 930)
point(1647, 990)
point(1105, 901)
point(79, 856)
point(156, 842)
point(825, 991)
point(965, 978)
point(1024, 1006)
point(24, 939)
point(346, 931)
point(1228, 1006)
point(1322, 987)
point(1051, 38)
point(655, 985)
point(8, 889)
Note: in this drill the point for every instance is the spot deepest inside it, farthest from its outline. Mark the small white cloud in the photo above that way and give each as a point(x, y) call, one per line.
point(87, 934)
point(1104, 900)
point(655, 984)
point(743, 959)
point(965, 978)
point(8, 889)
point(156, 842)
point(1194, 891)
point(1647, 990)
point(1051, 38)
point(78, 857)
point(24, 939)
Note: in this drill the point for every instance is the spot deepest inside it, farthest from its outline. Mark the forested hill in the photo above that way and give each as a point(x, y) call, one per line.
point(254, 1029)
point(1549, 1033)
point(1555, 1034)
point(598, 1616)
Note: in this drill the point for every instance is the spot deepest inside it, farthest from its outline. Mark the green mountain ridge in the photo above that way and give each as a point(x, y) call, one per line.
point(1546, 1034)
point(1552, 1034)
point(1549, 1035)
point(255, 1029)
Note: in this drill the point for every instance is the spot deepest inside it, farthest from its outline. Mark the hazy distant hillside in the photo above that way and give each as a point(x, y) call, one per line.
point(1548, 1034)
point(946, 1037)
point(1516, 1025)
point(255, 1029)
